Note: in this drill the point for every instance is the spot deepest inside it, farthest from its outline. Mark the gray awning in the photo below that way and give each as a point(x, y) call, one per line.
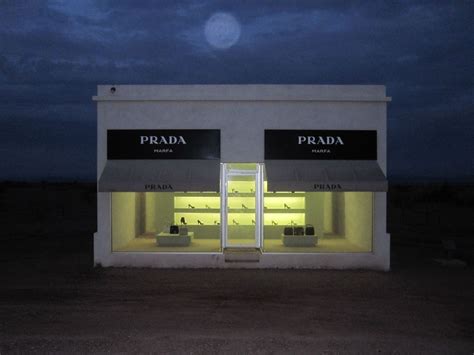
point(160, 175)
point(325, 175)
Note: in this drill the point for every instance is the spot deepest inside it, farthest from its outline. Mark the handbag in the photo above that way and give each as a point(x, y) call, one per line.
point(174, 229)
point(288, 231)
point(299, 230)
point(309, 230)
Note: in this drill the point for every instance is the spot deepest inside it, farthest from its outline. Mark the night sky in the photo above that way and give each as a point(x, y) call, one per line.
point(54, 53)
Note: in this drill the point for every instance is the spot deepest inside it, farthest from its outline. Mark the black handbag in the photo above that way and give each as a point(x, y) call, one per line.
point(309, 230)
point(288, 231)
point(174, 229)
point(299, 230)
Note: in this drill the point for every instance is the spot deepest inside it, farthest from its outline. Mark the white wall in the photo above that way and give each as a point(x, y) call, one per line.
point(125, 219)
point(315, 211)
point(164, 209)
point(359, 218)
point(241, 117)
point(159, 208)
point(242, 124)
point(150, 212)
point(242, 113)
point(328, 224)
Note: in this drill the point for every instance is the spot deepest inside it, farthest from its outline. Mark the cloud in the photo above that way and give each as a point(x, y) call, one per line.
point(88, 9)
point(48, 149)
point(53, 54)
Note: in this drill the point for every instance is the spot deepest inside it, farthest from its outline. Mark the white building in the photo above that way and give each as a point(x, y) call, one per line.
point(247, 176)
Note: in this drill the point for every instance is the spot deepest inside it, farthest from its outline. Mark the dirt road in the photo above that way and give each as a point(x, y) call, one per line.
point(53, 303)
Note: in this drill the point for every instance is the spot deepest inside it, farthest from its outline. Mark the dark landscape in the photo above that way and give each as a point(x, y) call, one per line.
point(53, 300)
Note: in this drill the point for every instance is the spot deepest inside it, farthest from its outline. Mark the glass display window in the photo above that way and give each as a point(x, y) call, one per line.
point(318, 222)
point(166, 222)
point(275, 221)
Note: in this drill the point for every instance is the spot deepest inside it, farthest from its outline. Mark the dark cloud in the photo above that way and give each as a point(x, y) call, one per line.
point(54, 53)
point(47, 149)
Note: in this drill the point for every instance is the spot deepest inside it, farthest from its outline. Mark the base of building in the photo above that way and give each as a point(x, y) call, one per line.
point(377, 260)
point(242, 255)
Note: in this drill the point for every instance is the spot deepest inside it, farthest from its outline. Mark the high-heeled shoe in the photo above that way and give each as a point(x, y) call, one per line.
point(200, 223)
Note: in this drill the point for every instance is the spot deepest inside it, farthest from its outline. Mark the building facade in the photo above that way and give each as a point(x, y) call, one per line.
point(247, 176)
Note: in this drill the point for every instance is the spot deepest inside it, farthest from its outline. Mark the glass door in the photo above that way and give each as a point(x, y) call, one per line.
point(242, 205)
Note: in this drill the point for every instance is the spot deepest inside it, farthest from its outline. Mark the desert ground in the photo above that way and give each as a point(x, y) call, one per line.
point(52, 299)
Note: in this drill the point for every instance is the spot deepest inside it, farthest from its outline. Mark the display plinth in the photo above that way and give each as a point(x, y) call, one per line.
point(299, 240)
point(174, 240)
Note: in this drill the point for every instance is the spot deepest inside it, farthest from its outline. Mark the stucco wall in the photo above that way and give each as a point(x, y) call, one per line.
point(328, 221)
point(242, 113)
point(125, 219)
point(358, 218)
point(242, 124)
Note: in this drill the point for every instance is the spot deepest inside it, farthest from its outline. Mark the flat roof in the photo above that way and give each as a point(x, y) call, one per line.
point(250, 92)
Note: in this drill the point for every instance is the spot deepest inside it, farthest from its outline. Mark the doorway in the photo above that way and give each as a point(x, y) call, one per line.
point(242, 201)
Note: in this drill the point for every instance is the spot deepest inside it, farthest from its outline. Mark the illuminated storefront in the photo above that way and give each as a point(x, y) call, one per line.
point(259, 176)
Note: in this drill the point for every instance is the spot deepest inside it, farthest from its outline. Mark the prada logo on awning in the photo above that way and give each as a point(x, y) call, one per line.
point(158, 187)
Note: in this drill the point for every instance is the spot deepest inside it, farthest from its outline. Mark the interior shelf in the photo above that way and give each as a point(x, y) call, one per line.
point(240, 194)
point(241, 210)
point(197, 194)
point(197, 210)
point(194, 225)
point(266, 225)
point(237, 210)
point(240, 225)
point(275, 209)
point(283, 210)
point(267, 194)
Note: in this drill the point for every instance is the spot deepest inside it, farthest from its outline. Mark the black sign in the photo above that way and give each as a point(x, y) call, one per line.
point(320, 144)
point(163, 144)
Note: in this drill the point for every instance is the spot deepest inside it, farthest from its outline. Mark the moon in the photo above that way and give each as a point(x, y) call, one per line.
point(222, 30)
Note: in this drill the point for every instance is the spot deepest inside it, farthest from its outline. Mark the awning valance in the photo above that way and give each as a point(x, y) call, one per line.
point(325, 175)
point(160, 175)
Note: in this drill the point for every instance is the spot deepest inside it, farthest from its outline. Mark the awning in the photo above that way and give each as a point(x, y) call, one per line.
point(325, 175)
point(160, 175)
